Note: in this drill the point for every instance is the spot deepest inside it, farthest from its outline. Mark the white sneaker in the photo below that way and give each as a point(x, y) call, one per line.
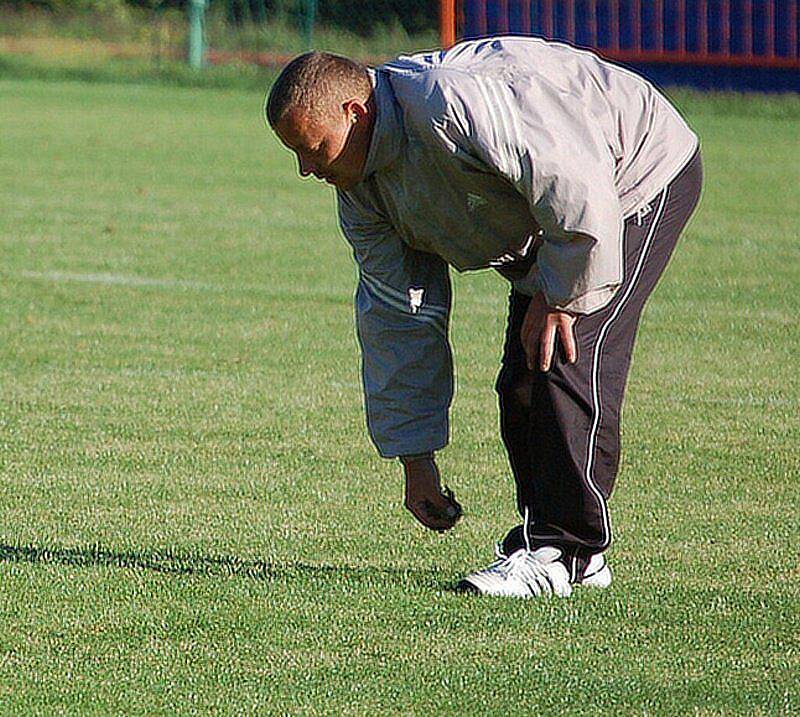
point(533, 573)
point(597, 573)
point(525, 573)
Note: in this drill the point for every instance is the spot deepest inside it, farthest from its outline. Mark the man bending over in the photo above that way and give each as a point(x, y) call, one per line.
point(570, 176)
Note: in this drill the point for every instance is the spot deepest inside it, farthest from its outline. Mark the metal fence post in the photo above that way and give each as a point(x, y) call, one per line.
point(447, 22)
point(197, 43)
point(309, 15)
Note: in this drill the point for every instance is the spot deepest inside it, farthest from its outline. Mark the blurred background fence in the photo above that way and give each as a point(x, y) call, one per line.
point(727, 44)
point(730, 44)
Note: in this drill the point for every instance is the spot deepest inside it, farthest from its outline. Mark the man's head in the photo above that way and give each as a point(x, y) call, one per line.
point(321, 108)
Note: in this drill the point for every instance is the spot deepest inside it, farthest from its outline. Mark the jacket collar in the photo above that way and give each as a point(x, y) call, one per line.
point(387, 133)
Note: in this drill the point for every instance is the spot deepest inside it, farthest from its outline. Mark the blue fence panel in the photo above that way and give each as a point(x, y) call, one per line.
point(739, 44)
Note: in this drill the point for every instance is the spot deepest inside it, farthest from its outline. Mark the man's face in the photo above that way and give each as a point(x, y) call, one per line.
point(331, 149)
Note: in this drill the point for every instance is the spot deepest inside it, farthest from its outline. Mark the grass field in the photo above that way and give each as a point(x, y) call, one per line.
point(192, 520)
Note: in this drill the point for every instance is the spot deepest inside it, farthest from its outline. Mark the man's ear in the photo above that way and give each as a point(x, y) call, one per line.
point(355, 110)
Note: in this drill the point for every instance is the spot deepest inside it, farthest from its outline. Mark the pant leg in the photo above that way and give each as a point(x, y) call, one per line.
point(562, 428)
point(513, 387)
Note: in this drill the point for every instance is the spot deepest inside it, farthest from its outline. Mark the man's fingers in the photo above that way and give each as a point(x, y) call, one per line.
point(547, 342)
point(532, 325)
point(440, 513)
point(561, 326)
point(525, 335)
point(431, 504)
point(541, 325)
point(433, 517)
point(447, 512)
point(567, 334)
point(532, 345)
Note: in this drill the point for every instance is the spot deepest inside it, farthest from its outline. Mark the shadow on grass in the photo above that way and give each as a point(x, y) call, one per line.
point(225, 566)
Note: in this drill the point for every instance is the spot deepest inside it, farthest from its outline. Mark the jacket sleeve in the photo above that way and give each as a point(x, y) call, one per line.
point(402, 307)
point(543, 141)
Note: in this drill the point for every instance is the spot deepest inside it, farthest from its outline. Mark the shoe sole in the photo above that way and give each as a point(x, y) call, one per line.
point(601, 579)
point(465, 586)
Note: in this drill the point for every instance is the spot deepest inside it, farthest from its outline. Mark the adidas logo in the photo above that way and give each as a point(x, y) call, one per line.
point(415, 299)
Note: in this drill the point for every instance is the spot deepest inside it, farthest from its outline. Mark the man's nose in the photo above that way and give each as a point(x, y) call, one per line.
point(306, 168)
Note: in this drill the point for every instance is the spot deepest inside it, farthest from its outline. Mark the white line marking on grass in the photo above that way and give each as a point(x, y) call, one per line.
point(118, 279)
point(327, 296)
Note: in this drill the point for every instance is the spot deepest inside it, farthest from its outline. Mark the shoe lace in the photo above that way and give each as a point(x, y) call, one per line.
point(520, 561)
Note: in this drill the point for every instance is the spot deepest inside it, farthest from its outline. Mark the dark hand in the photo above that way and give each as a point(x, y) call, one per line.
point(435, 508)
point(539, 329)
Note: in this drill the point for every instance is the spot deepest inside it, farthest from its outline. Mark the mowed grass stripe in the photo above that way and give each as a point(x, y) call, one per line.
point(193, 520)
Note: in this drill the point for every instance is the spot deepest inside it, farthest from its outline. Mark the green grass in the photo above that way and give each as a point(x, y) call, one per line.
point(138, 71)
point(192, 520)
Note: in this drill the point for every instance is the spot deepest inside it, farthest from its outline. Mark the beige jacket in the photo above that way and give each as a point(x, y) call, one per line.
point(480, 153)
point(480, 147)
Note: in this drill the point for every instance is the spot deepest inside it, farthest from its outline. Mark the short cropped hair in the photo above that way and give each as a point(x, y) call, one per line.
point(317, 83)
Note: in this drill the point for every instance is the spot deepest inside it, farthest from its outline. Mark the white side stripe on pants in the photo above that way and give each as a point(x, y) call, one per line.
point(596, 370)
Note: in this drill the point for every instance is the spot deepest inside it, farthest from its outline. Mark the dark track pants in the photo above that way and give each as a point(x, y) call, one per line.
point(562, 428)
